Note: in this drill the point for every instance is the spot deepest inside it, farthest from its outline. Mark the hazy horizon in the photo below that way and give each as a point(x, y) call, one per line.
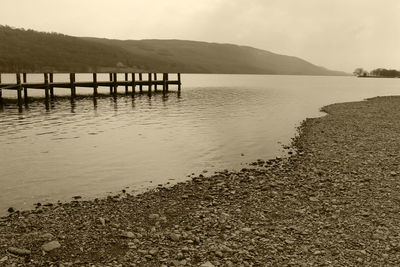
point(338, 35)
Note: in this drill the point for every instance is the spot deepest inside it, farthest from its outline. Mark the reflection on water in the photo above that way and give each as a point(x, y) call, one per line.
point(90, 146)
point(50, 103)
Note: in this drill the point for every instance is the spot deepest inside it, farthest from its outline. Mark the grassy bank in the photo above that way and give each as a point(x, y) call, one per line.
point(335, 203)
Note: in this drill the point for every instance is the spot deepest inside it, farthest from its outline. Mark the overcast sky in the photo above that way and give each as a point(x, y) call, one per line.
point(337, 34)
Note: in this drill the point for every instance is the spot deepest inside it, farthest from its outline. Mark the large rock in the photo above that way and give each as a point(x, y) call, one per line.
point(51, 246)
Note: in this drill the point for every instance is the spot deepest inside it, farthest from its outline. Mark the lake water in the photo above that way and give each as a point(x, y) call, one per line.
point(90, 148)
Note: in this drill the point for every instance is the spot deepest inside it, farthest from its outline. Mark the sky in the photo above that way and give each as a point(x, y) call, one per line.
point(336, 34)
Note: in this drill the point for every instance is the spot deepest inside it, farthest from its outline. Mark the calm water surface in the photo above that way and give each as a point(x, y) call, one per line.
point(90, 148)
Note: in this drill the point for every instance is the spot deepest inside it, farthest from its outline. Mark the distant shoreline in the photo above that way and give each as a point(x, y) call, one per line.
point(377, 77)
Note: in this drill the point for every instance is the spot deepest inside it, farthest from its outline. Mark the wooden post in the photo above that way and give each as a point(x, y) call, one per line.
point(95, 86)
point(46, 85)
point(149, 91)
point(115, 83)
point(155, 82)
point(24, 80)
point(133, 84)
point(164, 82)
point(126, 85)
point(51, 86)
point(140, 79)
point(1, 91)
point(72, 82)
point(111, 87)
point(179, 82)
point(19, 88)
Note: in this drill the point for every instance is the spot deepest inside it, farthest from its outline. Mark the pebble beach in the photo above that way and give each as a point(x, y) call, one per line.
point(334, 201)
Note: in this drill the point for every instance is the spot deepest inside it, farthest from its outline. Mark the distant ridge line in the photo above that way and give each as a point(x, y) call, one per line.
point(32, 51)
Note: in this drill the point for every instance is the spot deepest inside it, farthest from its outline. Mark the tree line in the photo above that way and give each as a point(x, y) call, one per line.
point(380, 72)
point(29, 51)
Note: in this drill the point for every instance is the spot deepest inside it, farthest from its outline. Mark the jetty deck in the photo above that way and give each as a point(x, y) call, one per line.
point(132, 80)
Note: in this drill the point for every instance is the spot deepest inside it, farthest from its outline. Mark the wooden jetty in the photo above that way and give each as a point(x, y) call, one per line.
point(48, 84)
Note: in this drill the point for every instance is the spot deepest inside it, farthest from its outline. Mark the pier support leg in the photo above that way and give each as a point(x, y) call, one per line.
point(19, 89)
point(126, 85)
point(111, 79)
point(1, 91)
point(46, 85)
point(149, 91)
point(179, 83)
point(155, 82)
point(115, 83)
point(133, 84)
point(140, 86)
point(95, 86)
point(165, 82)
point(24, 80)
point(51, 86)
point(72, 82)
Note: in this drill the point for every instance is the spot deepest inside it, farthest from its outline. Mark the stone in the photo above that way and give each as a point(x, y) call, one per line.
point(47, 236)
point(379, 236)
point(219, 254)
point(132, 245)
point(154, 216)
point(393, 173)
point(153, 251)
point(128, 234)
point(289, 241)
point(19, 251)
point(246, 230)
point(51, 246)
point(4, 259)
point(174, 237)
point(317, 252)
point(180, 256)
point(207, 264)
point(313, 199)
point(102, 221)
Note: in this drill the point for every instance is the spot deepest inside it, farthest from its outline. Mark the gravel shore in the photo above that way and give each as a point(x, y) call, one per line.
point(334, 202)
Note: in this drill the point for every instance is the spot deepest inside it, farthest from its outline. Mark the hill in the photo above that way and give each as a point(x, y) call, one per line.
point(32, 51)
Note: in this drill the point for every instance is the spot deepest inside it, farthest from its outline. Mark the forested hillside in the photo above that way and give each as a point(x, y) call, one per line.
point(32, 51)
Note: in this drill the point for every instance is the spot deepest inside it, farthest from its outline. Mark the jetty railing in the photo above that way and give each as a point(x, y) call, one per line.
point(48, 84)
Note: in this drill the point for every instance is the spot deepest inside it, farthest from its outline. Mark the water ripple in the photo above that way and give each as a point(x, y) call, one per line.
point(90, 147)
